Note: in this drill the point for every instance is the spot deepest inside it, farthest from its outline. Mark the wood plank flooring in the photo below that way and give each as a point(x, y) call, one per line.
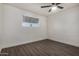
point(42, 48)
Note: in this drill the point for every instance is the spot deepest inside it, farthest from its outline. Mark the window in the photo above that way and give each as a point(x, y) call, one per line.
point(30, 22)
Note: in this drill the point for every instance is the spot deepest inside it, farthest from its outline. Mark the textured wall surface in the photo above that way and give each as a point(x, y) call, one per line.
point(64, 26)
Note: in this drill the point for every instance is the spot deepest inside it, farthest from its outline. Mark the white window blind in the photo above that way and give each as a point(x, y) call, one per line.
point(30, 22)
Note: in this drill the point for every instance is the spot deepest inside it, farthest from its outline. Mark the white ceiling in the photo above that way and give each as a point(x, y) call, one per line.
point(35, 7)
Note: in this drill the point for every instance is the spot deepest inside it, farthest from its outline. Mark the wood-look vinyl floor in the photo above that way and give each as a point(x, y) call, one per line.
point(42, 48)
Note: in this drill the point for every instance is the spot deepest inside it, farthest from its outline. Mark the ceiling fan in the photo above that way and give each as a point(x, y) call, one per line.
point(55, 5)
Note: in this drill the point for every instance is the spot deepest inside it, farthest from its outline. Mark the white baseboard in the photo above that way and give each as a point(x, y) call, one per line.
point(66, 43)
point(7, 46)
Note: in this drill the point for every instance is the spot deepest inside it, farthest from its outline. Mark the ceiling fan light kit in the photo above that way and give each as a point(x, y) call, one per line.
point(54, 7)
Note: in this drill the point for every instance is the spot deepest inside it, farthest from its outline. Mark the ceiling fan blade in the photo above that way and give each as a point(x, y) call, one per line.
point(49, 10)
point(60, 7)
point(58, 3)
point(45, 6)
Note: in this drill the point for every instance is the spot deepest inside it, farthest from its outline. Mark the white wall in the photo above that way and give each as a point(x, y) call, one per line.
point(15, 34)
point(64, 26)
point(1, 24)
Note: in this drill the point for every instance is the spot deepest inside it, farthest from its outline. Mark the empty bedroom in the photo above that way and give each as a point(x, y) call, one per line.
point(39, 29)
